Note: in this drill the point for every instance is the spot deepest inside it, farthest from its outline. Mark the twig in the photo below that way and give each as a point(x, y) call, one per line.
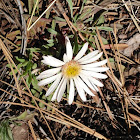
point(135, 22)
point(41, 15)
point(23, 30)
point(32, 130)
point(65, 117)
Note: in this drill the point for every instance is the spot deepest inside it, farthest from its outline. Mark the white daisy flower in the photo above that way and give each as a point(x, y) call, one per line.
point(78, 73)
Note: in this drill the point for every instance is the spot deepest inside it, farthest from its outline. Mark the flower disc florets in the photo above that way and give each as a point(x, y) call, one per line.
point(71, 69)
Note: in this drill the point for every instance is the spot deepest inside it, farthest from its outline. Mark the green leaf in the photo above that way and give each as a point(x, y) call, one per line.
point(89, 33)
point(30, 77)
point(30, 56)
point(106, 28)
point(10, 133)
point(45, 46)
point(49, 97)
point(102, 28)
point(89, 19)
point(11, 73)
point(52, 31)
point(29, 65)
point(100, 20)
point(60, 19)
point(25, 63)
point(53, 24)
point(21, 116)
point(33, 91)
point(5, 131)
point(35, 83)
point(104, 41)
point(44, 97)
point(20, 59)
point(30, 5)
point(8, 65)
point(50, 41)
point(75, 48)
point(51, 44)
point(19, 65)
point(27, 79)
point(111, 59)
point(84, 14)
point(84, 1)
point(34, 49)
point(75, 17)
point(34, 66)
point(71, 7)
point(41, 104)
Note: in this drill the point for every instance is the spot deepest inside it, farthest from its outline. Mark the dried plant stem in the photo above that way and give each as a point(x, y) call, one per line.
point(10, 59)
point(134, 20)
point(59, 5)
point(122, 57)
point(32, 14)
point(118, 84)
point(106, 106)
point(122, 80)
point(102, 45)
point(118, 58)
point(72, 122)
point(28, 29)
point(56, 119)
point(9, 41)
point(97, 108)
point(32, 130)
point(6, 55)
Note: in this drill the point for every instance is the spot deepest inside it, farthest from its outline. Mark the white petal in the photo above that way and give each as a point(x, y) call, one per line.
point(85, 79)
point(93, 65)
point(55, 94)
point(71, 92)
point(80, 90)
point(61, 90)
point(98, 69)
point(65, 58)
point(84, 86)
point(94, 74)
point(81, 52)
point(69, 51)
point(49, 60)
point(47, 81)
point(56, 91)
point(92, 59)
point(88, 56)
point(48, 73)
point(54, 85)
point(96, 82)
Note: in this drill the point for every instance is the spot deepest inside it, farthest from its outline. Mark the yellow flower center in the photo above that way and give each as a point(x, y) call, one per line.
point(71, 69)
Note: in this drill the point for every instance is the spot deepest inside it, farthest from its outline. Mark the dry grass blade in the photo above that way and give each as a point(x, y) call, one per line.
point(32, 14)
point(92, 132)
point(134, 20)
point(28, 29)
point(80, 104)
point(122, 79)
point(134, 117)
point(64, 119)
point(16, 81)
point(59, 5)
point(9, 41)
point(32, 130)
point(6, 55)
